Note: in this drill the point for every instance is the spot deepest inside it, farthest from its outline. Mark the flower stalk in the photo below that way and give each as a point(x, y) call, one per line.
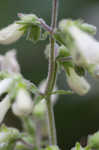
point(52, 77)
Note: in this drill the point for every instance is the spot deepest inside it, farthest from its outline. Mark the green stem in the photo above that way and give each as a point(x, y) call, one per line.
point(51, 122)
point(52, 78)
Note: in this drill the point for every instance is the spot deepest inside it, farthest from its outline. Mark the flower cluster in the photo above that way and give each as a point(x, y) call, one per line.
point(75, 50)
point(16, 30)
point(14, 87)
point(17, 97)
point(84, 49)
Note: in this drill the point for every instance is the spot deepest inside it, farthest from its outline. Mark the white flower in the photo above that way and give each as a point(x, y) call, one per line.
point(5, 85)
point(10, 34)
point(4, 106)
point(77, 83)
point(85, 49)
point(10, 63)
point(23, 104)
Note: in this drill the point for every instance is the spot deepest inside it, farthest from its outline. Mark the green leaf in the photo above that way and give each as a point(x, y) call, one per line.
point(60, 37)
point(64, 57)
point(34, 33)
point(63, 51)
point(62, 92)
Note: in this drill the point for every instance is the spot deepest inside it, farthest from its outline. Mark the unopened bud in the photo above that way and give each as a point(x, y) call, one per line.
point(10, 62)
point(23, 104)
point(10, 34)
point(5, 85)
point(77, 83)
point(84, 49)
point(4, 107)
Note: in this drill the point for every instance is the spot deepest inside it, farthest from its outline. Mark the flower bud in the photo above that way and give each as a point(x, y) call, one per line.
point(4, 106)
point(84, 49)
point(77, 83)
point(10, 63)
point(10, 34)
point(5, 85)
point(23, 104)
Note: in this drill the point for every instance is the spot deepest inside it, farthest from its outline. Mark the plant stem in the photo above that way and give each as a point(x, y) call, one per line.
point(45, 26)
point(51, 123)
point(52, 77)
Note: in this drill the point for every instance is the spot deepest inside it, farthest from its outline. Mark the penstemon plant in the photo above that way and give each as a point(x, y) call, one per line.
point(72, 48)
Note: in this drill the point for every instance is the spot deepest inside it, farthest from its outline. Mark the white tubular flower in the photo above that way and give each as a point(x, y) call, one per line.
point(23, 104)
point(10, 63)
point(10, 34)
point(85, 49)
point(77, 83)
point(4, 107)
point(5, 85)
point(42, 87)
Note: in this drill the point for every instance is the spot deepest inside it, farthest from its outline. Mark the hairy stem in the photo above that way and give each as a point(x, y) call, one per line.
point(52, 77)
point(51, 123)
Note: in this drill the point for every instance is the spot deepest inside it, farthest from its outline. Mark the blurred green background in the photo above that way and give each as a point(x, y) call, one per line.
point(75, 116)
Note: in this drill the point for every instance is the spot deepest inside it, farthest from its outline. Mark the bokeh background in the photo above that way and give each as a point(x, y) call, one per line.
point(75, 116)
